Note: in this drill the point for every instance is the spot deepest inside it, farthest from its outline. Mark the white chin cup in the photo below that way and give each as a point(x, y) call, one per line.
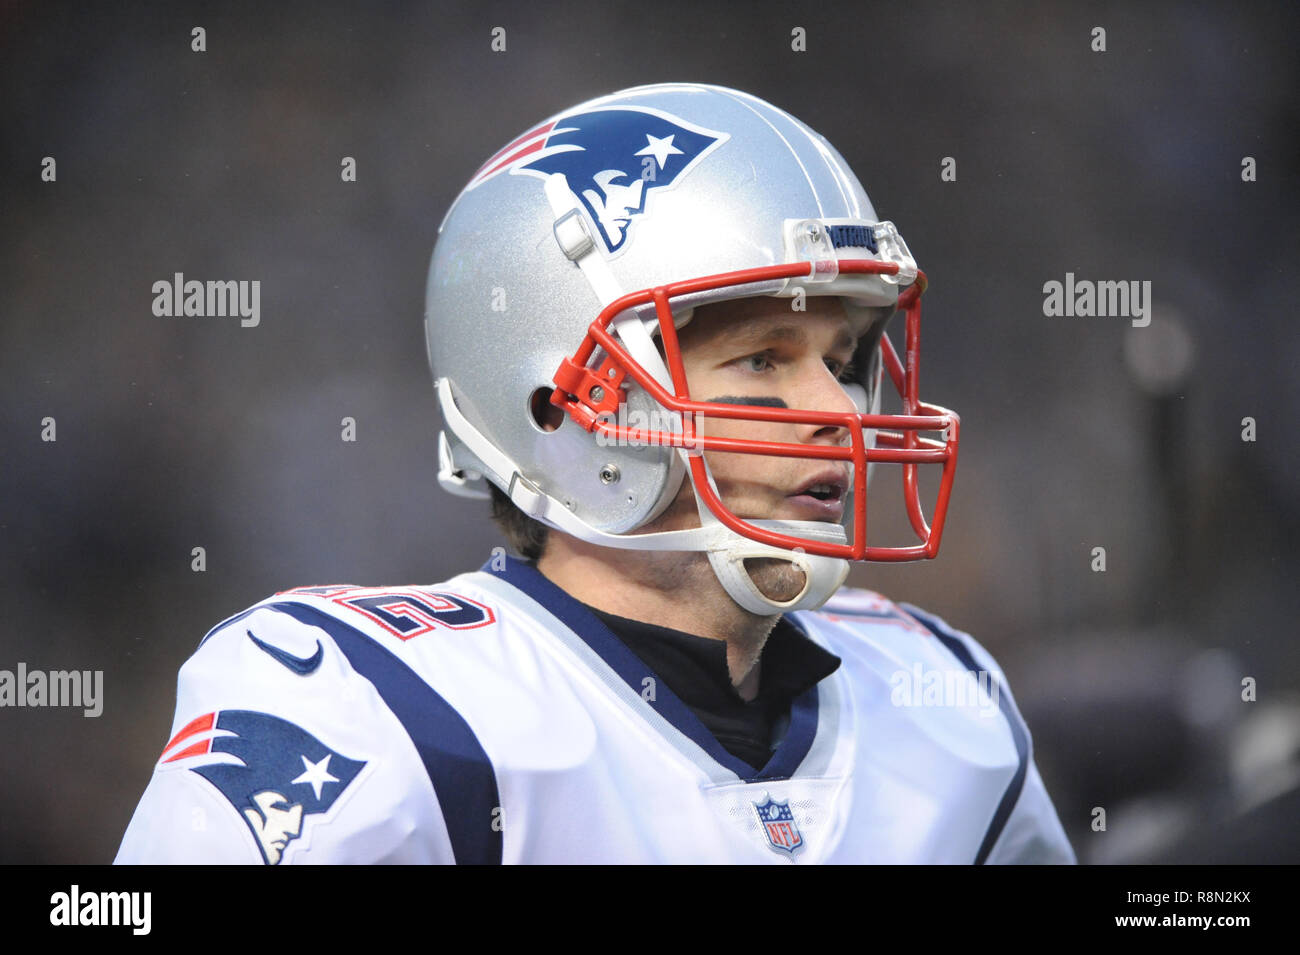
point(822, 575)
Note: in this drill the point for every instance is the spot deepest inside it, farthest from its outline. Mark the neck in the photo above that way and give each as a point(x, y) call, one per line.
point(668, 589)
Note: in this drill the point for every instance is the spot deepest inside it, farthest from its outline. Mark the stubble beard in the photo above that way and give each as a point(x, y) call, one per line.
point(777, 579)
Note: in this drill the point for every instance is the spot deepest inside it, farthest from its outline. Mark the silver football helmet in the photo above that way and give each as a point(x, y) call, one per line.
point(562, 273)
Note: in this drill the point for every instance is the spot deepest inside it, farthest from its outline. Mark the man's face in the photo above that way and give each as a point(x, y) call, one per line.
point(276, 825)
point(759, 351)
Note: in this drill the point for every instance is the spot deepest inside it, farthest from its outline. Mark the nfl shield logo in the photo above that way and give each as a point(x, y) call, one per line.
point(778, 822)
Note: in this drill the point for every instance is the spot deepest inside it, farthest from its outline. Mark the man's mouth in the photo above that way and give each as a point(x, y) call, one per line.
point(821, 498)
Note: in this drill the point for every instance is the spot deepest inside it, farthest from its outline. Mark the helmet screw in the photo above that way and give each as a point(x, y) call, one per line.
point(609, 474)
point(597, 393)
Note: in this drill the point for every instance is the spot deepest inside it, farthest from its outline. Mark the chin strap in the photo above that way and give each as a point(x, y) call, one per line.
point(822, 576)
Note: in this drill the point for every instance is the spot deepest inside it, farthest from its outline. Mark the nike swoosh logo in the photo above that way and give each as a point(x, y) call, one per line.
point(302, 665)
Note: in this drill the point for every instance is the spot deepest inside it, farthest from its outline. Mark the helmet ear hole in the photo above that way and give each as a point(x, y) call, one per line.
point(545, 416)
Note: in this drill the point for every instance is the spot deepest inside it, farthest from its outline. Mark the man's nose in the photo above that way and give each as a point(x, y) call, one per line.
point(823, 392)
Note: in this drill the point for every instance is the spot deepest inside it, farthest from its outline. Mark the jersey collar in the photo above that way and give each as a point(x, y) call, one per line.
point(804, 709)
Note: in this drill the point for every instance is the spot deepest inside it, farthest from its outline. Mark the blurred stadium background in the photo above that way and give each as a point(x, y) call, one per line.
point(1077, 433)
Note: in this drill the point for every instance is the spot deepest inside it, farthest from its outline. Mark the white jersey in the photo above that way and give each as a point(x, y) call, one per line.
point(494, 719)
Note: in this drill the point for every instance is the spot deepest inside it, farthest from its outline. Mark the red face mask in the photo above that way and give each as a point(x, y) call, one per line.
point(592, 395)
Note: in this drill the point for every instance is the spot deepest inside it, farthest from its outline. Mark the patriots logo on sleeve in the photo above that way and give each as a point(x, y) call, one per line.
point(283, 773)
point(611, 159)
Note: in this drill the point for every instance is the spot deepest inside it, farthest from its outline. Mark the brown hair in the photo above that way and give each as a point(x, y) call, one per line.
point(526, 536)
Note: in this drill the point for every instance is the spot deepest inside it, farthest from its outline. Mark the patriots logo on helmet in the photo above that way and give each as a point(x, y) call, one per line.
point(611, 159)
point(284, 774)
point(782, 831)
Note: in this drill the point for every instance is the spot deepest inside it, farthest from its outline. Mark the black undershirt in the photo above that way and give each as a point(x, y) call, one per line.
point(695, 669)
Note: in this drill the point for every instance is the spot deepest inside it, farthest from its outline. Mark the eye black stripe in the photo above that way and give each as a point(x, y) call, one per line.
point(757, 402)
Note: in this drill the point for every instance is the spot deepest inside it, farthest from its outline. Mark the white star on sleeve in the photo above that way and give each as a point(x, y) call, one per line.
point(316, 774)
point(660, 147)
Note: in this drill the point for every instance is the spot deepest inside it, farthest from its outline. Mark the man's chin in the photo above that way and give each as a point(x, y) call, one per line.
point(776, 579)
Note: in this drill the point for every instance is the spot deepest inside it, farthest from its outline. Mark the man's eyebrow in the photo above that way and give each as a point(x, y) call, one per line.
point(792, 332)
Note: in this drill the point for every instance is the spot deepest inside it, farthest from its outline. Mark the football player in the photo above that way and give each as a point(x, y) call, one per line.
point(656, 328)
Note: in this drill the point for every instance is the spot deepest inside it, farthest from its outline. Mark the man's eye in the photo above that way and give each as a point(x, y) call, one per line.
point(758, 363)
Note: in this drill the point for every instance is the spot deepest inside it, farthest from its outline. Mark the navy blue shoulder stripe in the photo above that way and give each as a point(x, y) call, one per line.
point(458, 768)
point(1019, 733)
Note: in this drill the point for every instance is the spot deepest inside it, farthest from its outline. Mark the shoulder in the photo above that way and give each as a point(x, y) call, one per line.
point(912, 668)
point(396, 637)
point(944, 678)
point(308, 728)
point(400, 612)
point(300, 640)
point(855, 616)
